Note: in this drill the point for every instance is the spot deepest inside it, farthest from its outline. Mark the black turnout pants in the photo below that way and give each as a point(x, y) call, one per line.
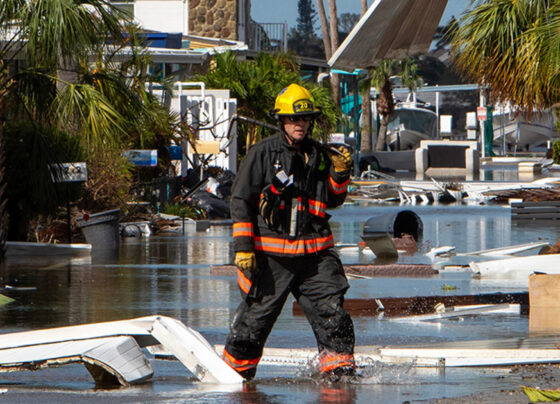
point(317, 282)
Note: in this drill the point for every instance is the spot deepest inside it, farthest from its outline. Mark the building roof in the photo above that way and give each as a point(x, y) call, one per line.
point(390, 29)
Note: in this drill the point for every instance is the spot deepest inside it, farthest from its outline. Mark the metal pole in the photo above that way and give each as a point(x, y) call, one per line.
point(285, 37)
point(68, 214)
point(357, 122)
point(437, 114)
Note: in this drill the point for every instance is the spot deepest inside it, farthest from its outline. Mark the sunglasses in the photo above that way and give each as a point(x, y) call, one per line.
point(297, 118)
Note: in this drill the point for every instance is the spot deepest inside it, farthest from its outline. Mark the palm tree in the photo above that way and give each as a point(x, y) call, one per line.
point(365, 88)
point(408, 72)
point(380, 79)
point(329, 29)
point(256, 83)
point(71, 84)
point(512, 47)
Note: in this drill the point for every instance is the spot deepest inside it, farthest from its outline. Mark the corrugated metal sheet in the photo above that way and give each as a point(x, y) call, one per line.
point(391, 29)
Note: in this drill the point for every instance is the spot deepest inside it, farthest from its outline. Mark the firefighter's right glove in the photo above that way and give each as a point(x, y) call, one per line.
point(246, 260)
point(341, 161)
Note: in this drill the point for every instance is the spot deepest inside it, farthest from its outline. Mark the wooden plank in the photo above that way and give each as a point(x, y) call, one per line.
point(537, 216)
point(531, 204)
point(358, 270)
point(478, 357)
point(543, 209)
point(461, 311)
point(393, 306)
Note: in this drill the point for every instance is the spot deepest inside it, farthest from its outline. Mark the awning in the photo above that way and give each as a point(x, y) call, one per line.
point(390, 29)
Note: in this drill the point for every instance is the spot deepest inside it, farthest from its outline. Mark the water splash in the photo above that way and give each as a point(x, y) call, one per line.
point(368, 371)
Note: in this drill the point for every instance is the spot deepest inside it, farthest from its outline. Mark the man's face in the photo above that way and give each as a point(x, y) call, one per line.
point(296, 127)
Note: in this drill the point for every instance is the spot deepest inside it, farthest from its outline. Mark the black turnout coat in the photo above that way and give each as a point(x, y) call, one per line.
point(316, 187)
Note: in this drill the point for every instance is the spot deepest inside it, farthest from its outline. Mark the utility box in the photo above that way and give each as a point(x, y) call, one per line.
point(544, 305)
point(379, 231)
point(471, 125)
point(445, 125)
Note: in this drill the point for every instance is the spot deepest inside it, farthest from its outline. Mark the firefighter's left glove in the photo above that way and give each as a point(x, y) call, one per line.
point(342, 161)
point(246, 260)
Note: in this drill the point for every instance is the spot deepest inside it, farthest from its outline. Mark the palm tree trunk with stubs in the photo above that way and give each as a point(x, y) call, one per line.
point(366, 142)
point(324, 29)
point(380, 146)
point(333, 20)
point(364, 7)
point(329, 30)
point(385, 107)
point(365, 127)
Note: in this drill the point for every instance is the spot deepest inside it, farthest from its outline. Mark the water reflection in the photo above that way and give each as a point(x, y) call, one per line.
point(171, 275)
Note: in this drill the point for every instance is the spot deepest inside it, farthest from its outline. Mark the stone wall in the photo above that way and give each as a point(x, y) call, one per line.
point(214, 18)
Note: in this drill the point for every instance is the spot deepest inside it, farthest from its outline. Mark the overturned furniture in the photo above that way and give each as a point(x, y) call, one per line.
point(379, 231)
point(112, 350)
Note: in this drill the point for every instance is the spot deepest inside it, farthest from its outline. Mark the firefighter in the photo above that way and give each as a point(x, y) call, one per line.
point(283, 242)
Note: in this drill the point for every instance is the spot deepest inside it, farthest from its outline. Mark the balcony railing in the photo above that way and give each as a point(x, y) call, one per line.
point(268, 37)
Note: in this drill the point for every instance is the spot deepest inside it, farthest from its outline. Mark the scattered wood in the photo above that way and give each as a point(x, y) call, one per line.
point(541, 210)
point(399, 306)
point(356, 270)
point(461, 311)
point(390, 270)
point(528, 195)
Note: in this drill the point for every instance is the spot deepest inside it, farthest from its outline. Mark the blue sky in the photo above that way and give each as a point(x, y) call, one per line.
point(265, 11)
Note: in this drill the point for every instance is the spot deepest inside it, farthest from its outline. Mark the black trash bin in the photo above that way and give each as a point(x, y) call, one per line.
point(379, 231)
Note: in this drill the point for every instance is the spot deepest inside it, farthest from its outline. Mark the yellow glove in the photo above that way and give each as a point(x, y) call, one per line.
point(246, 260)
point(342, 161)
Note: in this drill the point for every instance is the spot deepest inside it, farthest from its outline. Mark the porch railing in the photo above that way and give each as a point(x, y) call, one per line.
point(268, 37)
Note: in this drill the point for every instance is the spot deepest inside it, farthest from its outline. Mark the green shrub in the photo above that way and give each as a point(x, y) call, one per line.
point(30, 152)
point(182, 210)
point(556, 152)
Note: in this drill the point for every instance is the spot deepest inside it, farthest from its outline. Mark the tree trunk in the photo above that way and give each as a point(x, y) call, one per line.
point(335, 79)
point(366, 122)
point(380, 146)
point(324, 29)
point(366, 142)
point(333, 23)
point(3, 200)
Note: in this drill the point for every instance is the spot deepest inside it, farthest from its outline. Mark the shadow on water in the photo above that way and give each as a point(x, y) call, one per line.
point(171, 275)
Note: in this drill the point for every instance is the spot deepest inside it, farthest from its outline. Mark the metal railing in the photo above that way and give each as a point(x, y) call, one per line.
point(268, 37)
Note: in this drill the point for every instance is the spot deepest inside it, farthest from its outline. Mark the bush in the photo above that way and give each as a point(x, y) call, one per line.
point(182, 210)
point(556, 152)
point(30, 152)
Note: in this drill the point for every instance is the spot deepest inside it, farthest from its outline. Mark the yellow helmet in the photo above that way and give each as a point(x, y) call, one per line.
point(295, 100)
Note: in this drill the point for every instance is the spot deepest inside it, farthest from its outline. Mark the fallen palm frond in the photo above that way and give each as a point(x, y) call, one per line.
point(539, 396)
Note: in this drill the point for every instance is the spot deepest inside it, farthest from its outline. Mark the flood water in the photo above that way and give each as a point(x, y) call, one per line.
point(172, 275)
